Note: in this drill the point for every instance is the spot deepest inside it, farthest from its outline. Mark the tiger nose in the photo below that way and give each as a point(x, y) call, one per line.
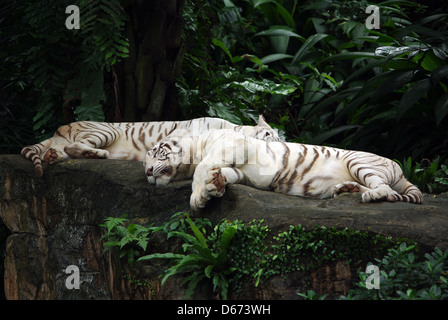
point(149, 171)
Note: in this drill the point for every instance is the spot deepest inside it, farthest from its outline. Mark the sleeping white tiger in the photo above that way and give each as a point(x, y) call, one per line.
point(217, 158)
point(126, 141)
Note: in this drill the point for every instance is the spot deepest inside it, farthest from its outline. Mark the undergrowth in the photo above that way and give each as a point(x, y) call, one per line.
point(232, 254)
point(429, 176)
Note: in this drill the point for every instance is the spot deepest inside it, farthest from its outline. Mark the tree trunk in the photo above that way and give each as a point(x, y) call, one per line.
point(147, 78)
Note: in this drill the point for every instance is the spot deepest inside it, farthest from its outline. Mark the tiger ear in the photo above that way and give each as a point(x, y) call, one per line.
point(262, 122)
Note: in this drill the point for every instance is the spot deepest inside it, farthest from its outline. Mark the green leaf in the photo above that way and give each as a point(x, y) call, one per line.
point(223, 111)
point(227, 235)
point(265, 86)
point(324, 136)
point(193, 280)
point(279, 43)
point(208, 270)
point(348, 26)
point(260, 2)
point(222, 45)
point(109, 54)
point(350, 56)
point(410, 98)
point(441, 108)
point(43, 112)
point(431, 62)
point(197, 233)
point(313, 110)
point(394, 80)
point(382, 38)
point(187, 237)
point(203, 256)
point(132, 228)
point(439, 74)
point(307, 45)
point(229, 4)
point(275, 57)
point(187, 263)
point(91, 93)
point(286, 16)
point(168, 255)
point(112, 222)
point(432, 18)
point(143, 243)
point(92, 113)
point(279, 31)
point(252, 58)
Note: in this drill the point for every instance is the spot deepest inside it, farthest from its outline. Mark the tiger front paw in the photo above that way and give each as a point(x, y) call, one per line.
point(96, 154)
point(215, 184)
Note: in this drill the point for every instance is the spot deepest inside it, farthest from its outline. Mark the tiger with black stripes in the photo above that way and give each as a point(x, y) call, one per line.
point(126, 141)
point(218, 158)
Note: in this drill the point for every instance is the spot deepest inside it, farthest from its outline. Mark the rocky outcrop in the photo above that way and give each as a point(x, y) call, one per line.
point(51, 223)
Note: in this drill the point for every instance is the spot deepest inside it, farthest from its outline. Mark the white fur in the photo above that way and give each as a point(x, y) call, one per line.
point(290, 168)
point(125, 141)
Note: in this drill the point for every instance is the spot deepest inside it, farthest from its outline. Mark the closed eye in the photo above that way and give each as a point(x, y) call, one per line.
point(163, 157)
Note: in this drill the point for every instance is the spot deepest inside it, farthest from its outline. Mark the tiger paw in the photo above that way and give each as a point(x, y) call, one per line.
point(96, 154)
point(198, 199)
point(382, 193)
point(53, 156)
point(215, 184)
point(348, 186)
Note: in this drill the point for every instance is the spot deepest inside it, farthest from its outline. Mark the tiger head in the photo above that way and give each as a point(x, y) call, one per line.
point(262, 131)
point(173, 159)
point(165, 161)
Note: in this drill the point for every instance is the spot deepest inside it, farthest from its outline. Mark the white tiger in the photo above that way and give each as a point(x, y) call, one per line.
point(126, 141)
point(217, 158)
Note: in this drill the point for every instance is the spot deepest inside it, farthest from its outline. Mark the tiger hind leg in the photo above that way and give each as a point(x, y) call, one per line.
point(82, 150)
point(410, 194)
point(380, 193)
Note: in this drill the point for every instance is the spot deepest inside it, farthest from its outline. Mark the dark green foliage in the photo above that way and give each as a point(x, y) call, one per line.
point(383, 91)
point(309, 249)
point(258, 254)
point(235, 253)
point(129, 238)
point(200, 261)
point(52, 74)
point(16, 99)
point(405, 276)
point(247, 252)
point(427, 175)
point(179, 223)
